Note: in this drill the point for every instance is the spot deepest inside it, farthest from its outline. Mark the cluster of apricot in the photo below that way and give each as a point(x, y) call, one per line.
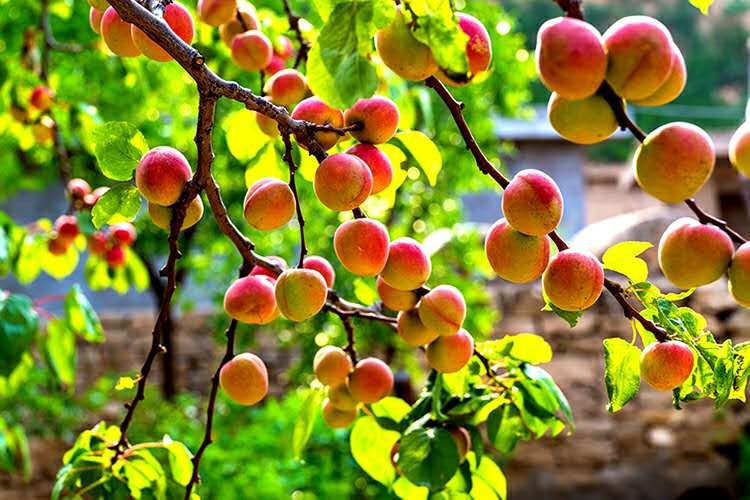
point(36, 114)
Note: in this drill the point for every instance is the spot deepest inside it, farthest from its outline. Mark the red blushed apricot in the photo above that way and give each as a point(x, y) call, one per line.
point(251, 300)
point(379, 164)
point(234, 27)
point(412, 330)
point(462, 438)
point(448, 354)
point(573, 280)
point(95, 19)
point(300, 293)
point(584, 121)
point(739, 149)
point(286, 87)
point(322, 266)
point(443, 310)
point(66, 227)
point(282, 47)
point(115, 257)
point(99, 4)
point(532, 203)
point(570, 57)
point(377, 118)
point(179, 20)
point(370, 381)
point(674, 84)
point(97, 243)
point(341, 398)
point(122, 233)
point(162, 174)
point(116, 34)
point(639, 51)
point(251, 50)
point(398, 300)
point(263, 271)
point(332, 365)
point(161, 216)
point(245, 379)
point(402, 53)
point(58, 246)
point(78, 189)
point(342, 182)
point(514, 256)
point(478, 49)
point(362, 246)
point(408, 266)
point(314, 110)
point(216, 12)
point(267, 125)
point(666, 365)
point(674, 161)
point(276, 65)
point(739, 276)
point(692, 254)
point(269, 204)
point(336, 418)
point(41, 98)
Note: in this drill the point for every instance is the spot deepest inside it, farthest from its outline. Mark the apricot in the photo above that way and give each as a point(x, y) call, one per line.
point(408, 266)
point(162, 174)
point(245, 379)
point(251, 50)
point(66, 227)
point(276, 65)
point(286, 87)
point(314, 110)
point(216, 12)
point(90, 200)
point(672, 86)
point(269, 204)
point(332, 365)
point(78, 189)
point(322, 266)
point(370, 381)
point(122, 233)
point(336, 418)
point(666, 365)
point(342, 182)
point(412, 330)
point(115, 257)
point(377, 118)
point(99, 4)
point(478, 49)
point(341, 398)
point(674, 161)
point(639, 51)
point(462, 438)
point(246, 12)
point(739, 276)
point(116, 34)
point(44, 130)
point(584, 121)
point(41, 98)
point(739, 149)
point(178, 19)
point(95, 19)
point(573, 280)
point(692, 254)
point(443, 310)
point(532, 203)
point(514, 256)
point(448, 354)
point(251, 300)
point(263, 271)
point(362, 246)
point(58, 246)
point(570, 57)
point(300, 293)
point(282, 47)
point(398, 300)
point(378, 163)
point(97, 243)
point(161, 216)
point(402, 53)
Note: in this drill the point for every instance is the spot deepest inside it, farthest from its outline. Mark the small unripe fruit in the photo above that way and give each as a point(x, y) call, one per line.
point(162, 174)
point(402, 53)
point(443, 310)
point(263, 271)
point(514, 256)
point(216, 12)
point(300, 293)
point(97, 243)
point(116, 34)
point(462, 438)
point(570, 57)
point(336, 418)
point(161, 216)
point(377, 118)
point(478, 49)
point(666, 365)
point(95, 19)
point(286, 87)
point(448, 354)
point(269, 204)
point(99, 4)
point(251, 300)
point(115, 257)
point(674, 84)
point(342, 182)
point(378, 163)
point(178, 19)
point(370, 381)
point(122, 233)
point(674, 161)
point(234, 27)
point(739, 149)
point(90, 200)
point(245, 379)
point(341, 398)
point(78, 189)
point(573, 280)
point(251, 50)
point(58, 246)
point(332, 365)
point(362, 246)
point(398, 300)
point(412, 330)
point(408, 266)
point(314, 110)
point(692, 254)
point(66, 227)
point(739, 276)
point(41, 98)
point(322, 266)
point(584, 121)
point(267, 125)
point(532, 203)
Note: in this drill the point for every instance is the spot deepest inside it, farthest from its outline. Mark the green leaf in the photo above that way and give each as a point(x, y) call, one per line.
point(125, 383)
point(81, 316)
point(32, 252)
point(120, 204)
point(493, 476)
point(244, 138)
point(393, 408)
point(180, 463)
point(623, 258)
point(428, 457)
point(505, 428)
point(524, 347)
point(136, 271)
point(437, 28)
point(622, 372)
point(544, 381)
point(60, 350)
point(118, 148)
point(18, 326)
point(371, 447)
point(23, 455)
point(61, 266)
point(306, 420)
point(408, 490)
point(364, 292)
point(570, 317)
point(422, 152)
point(702, 5)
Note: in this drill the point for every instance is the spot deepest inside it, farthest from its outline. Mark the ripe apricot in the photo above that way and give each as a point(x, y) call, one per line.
point(234, 27)
point(408, 266)
point(332, 365)
point(379, 164)
point(251, 300)
point(532, 203)
point(251, 50)
point(412, 330)
point(370, 381)
point(178, 19)
point(66, 227)
point(514, 256)
point(674, 161)
point(462, 438)
point(216, 12)
point(300, 293)
point(161, 216)
point(78, 189)
point(122, 233)
point(478, 49)
point(95, 19)
point(322, 266)
point(99, 4)
point(739, 149)
point(162, 174)
point(342, 182)
point(362, 246)
point(672, 86)
point(41, 98)
point(402, 53)
point(739, 276)
point(377, 118)
point(267, 125)
point(286, 87)
point(276, 65)
point(573, 280)
point(666, 365)
point(314, 110)
point(263, 271)
point(341, 398)
point(443, 310)
point(58, 246)
point(97, 243)
point(115, 257)
point(450, 353)
point(245, 379)
point(584, 121)
point(398, 300)
point(116, 34)
point(269, 204)
point(337, 418)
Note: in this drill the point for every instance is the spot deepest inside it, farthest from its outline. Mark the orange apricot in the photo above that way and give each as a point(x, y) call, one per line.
point(332, 365)
point(666, 365)
point(408, 266)
point(269, 204)
point(370, 381)
point(300, 293)
point(443, 310)
point(342, 182)
point(573, 280)
point(245, 379)
point(377, 118)
point(178, 19)
point(362, 246)
point(251, 300)
point(448, 354)
point(514, 256)
point(532, 203)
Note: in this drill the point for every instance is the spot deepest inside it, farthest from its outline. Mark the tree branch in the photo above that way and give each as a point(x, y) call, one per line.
point(293, 186)
point(304, 45)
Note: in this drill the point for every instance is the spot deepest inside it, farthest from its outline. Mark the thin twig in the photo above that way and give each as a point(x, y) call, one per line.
point(298, 207)
point(304, 45)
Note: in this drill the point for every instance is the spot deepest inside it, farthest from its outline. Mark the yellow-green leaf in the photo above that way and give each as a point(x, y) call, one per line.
point(422, 151)
point(125, 383)
point(244, 138)
point(623, 258)
point(702, 5)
